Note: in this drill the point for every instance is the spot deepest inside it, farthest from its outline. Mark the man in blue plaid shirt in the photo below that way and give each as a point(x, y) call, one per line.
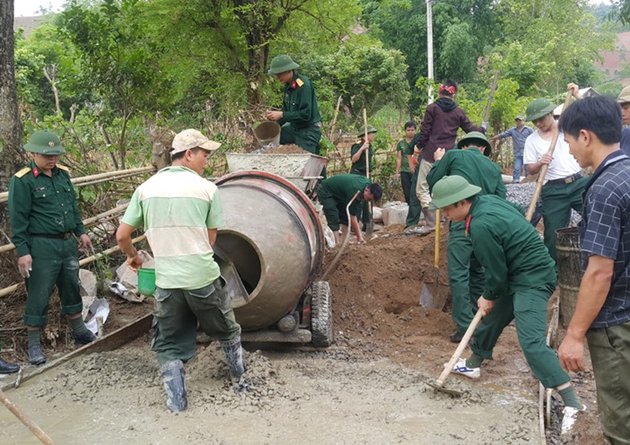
point(592, 128)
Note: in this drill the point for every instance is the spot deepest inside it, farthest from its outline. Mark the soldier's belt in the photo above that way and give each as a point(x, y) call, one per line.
point(567, 180)
point(54, 236)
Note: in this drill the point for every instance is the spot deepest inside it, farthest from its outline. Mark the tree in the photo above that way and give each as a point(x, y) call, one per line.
point(119, 60)
point(10, 128)
point(230, 42)
point(365, 75)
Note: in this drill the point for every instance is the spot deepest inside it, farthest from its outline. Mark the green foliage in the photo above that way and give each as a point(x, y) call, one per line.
point(365, 75)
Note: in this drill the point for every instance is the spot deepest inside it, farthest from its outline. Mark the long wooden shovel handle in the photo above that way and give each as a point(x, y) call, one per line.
point(545, 167)
point(460, 349)
point(436, 258)
point(367, 152)
point(37, 431)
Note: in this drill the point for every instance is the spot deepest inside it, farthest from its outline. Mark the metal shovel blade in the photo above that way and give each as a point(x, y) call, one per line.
point(441, 388)
point(434, 295)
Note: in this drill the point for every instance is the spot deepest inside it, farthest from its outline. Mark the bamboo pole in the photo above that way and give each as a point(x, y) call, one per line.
point(101, 177)
point(9, 290)
point(86, 222)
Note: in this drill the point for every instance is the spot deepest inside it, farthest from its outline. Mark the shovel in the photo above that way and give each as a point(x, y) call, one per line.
point(448, 368)
point(434, 294)
point(235, 287)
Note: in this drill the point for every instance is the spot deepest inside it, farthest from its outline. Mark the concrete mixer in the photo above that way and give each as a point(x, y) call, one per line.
point(275, 241)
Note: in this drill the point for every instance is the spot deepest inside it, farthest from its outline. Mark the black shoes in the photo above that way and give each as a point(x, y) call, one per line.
point(8, 368)
point(457, 337)
point(36, 356)
point(84, 339)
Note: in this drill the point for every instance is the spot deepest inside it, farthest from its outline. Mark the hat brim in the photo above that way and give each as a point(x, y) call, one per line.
point(542, 113)
point(363, 134)
point(471, 141)
point(283, 69)
point(470, 190)
point(58, 150)
point(623, 100)
point(210, 145)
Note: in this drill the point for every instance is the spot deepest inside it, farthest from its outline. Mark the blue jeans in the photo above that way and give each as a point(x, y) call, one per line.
point(518, 166)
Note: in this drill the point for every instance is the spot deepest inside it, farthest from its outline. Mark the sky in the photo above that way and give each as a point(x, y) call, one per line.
point(30, 7)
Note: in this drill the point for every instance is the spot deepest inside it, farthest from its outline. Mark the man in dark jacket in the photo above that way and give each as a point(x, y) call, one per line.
point(439, 128)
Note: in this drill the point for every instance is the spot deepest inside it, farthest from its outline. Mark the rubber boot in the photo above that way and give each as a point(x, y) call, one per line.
point(429, 227)
point(234, 357)
point(175, 386)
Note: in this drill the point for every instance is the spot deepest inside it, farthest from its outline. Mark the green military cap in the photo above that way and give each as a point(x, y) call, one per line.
point(478, 139)
point(452, 189)
point(45, 143)
point(281, 64)
point(370, 129)
point(538, 109)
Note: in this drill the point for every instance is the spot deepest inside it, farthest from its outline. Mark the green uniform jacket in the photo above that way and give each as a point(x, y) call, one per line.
point(342, 189)
point(41, 204)
point(472, 165)
point(359, 167)
point(403, 147)
point(509, 247)
point(299, 106)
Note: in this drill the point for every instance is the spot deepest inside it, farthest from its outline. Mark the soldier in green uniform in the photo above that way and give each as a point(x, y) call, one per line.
point(403, 154)
point(358, 153)
point(300, 118)
point(415, 207)
point(335, 193)
point(465, 274)
point(44, 218)
point(520, 278)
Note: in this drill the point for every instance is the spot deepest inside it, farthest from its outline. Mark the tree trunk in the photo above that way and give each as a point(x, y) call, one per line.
point(10, 128)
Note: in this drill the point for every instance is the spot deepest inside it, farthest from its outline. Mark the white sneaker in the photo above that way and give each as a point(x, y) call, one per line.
point(569, 416)
point(461, 368)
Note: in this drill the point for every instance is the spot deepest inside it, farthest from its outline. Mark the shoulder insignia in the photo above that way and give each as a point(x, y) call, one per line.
point(63, 167)
point(299, 82)
point(22, 172)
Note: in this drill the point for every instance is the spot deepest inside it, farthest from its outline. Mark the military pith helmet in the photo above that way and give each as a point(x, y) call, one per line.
point(624, 96)
point(281, 64)
point(539, 108)
point(477, 139)
point(452, 189)
point(45, 143)
point(370, 129)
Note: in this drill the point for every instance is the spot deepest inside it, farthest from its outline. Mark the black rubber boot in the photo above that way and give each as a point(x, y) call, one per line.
point(8, 368)
point(85, 338)
point(35, 355)
point(175, 385)
point(234, 357)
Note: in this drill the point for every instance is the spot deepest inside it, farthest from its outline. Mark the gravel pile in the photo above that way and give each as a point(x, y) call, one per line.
point(522, 195)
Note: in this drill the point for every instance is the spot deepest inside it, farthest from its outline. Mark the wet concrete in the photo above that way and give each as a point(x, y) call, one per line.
point(295, 397)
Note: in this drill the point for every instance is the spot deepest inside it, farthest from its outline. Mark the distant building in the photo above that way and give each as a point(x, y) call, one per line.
point(28, 23)
point(614, 61)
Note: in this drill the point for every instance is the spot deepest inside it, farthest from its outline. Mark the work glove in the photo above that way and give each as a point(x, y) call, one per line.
point(485, 125)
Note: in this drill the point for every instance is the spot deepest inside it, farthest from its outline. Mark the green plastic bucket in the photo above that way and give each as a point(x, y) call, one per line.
point(146, 281)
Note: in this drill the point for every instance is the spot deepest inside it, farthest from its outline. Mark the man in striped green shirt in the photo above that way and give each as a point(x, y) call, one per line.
point(181, 212)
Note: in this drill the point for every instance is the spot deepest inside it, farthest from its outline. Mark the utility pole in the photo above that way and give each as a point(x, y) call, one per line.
point(430, 48)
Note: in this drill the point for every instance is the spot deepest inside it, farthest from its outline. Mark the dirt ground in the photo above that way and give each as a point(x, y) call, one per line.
point(367, 388)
